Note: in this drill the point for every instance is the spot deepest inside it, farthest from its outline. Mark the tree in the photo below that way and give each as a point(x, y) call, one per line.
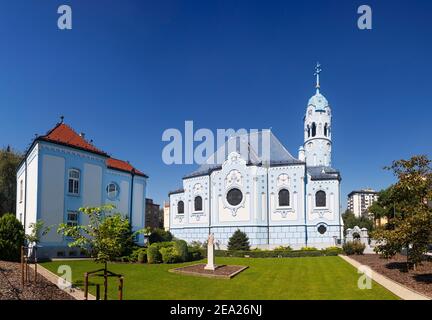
point(9, 161)
point(105, 237)
point(160, 235)
point(38, 230)
point(384, 207)
point(410, 225)
point(11, 237)
point(238, 241)
point(350, 221)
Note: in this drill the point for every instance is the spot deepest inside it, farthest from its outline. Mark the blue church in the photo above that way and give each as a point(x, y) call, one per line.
point(62, 172)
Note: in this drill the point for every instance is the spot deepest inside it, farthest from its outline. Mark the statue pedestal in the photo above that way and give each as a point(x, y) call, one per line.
point(210, 255)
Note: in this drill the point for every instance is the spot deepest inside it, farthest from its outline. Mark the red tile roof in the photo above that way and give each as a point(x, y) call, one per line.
point(123, 166)
point(65, 135)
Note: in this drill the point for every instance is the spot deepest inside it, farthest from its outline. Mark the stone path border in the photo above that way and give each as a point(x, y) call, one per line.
point(183, 270)
point(398, 289)
point(75, 292)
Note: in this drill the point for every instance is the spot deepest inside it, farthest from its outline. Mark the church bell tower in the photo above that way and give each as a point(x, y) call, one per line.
point(316, 150)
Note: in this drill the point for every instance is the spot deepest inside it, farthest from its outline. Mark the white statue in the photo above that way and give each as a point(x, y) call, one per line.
point(210, 253)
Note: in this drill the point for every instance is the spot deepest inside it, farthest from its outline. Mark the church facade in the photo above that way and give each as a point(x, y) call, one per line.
point(279, 201)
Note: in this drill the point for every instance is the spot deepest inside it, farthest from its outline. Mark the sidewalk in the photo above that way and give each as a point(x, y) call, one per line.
point(401, 291)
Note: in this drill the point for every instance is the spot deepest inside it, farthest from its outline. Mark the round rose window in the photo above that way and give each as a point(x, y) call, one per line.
point(234, 197)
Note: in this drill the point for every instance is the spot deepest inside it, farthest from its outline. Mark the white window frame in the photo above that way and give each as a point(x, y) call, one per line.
point(116, 191)
point(75, 182)
point(21, 190)
point(72, 222)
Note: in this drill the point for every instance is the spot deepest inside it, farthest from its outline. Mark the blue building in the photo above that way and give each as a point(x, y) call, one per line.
point(62, 172)
point(257, 186)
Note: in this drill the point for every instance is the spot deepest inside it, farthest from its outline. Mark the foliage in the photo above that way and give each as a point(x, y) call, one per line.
point(384, 207)
point(350, 221)
point(281, 248)
point(309, 252)
point(11, 237)
point(38, 230)
point(105, 237)
point(181, 250)
point(153, 254)
point(169, 255)
point(353, 247)
point(238, 241)
point(410, 225)
point(138, 255)
point(160, 235)
point(195, 253)
point(142, 256)
point(9, 161)
point(308, 249)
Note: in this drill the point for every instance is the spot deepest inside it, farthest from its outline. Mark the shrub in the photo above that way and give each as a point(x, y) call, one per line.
point(353, 247)
point(160, 235)
point(333, 251)
point(142, 256)
point(181, 249)
point(169, 255)
point(308, 249)
point(11, 237)
point(283, 248)
point(153, 254)
point(195, 253)
point(238, 241)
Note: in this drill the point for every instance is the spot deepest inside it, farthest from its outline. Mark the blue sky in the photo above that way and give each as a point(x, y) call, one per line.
point(128, 70)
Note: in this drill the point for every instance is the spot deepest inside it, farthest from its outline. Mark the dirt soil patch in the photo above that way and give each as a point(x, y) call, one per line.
point(396, 269)
point(11, 287)
point(221, 271)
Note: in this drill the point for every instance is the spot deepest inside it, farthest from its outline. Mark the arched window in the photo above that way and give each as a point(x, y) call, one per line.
point(320, 199)
point(313, 129)
point(113, 190)
point(180, 207)
point(325, 130)
point(198, 203)
point(308, 131)
point(284, 198)
point(74, 181)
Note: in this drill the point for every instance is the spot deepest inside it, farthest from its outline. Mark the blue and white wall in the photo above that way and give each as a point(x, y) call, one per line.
point(46, 195)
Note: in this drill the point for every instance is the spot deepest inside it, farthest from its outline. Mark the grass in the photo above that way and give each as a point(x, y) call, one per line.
point(308, 278)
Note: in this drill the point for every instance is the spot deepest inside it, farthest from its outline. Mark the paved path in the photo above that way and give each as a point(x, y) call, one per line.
point(401, 291)
point(75, 292)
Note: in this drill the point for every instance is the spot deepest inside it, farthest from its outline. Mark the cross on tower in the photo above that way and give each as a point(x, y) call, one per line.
point(317, 73)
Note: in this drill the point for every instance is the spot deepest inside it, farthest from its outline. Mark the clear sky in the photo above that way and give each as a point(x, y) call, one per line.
point(128, 70)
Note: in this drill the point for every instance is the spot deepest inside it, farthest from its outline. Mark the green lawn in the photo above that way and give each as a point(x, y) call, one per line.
point(266, 278)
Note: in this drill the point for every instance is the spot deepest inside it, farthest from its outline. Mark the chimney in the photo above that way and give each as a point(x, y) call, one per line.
point(82, 135)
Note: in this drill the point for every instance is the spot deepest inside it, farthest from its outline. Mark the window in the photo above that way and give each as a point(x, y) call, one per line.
point(180, 207)
point(284, 198)
point(21, 190)
point(313, 129)
point(72, 218)
point(74, 178)
point(308, 131)
point(320, 199)
point(322, 229)
point(234, 197)
point(325, 129)
point(112, 190)
point(198, 204)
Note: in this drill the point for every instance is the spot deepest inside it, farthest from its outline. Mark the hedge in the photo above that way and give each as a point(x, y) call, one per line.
point(279, 253)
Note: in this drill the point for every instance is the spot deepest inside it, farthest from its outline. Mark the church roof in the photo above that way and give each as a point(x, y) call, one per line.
point(252, 144)
point(63, 134)
point(323, 173)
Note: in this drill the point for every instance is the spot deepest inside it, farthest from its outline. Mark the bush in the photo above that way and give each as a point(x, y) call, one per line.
point(239, 241)
point(169, 255)
point(11, 238)
point(195, 253)
point(333, 251)
point(160, 235)
point(282, 248)
point(353, 247)
point(153, 254)
point(181, 249)
point(308, 249)
point(142, 256)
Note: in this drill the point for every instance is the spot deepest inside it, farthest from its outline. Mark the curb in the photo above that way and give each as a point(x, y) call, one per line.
point(396, 288)
point(74, 292)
